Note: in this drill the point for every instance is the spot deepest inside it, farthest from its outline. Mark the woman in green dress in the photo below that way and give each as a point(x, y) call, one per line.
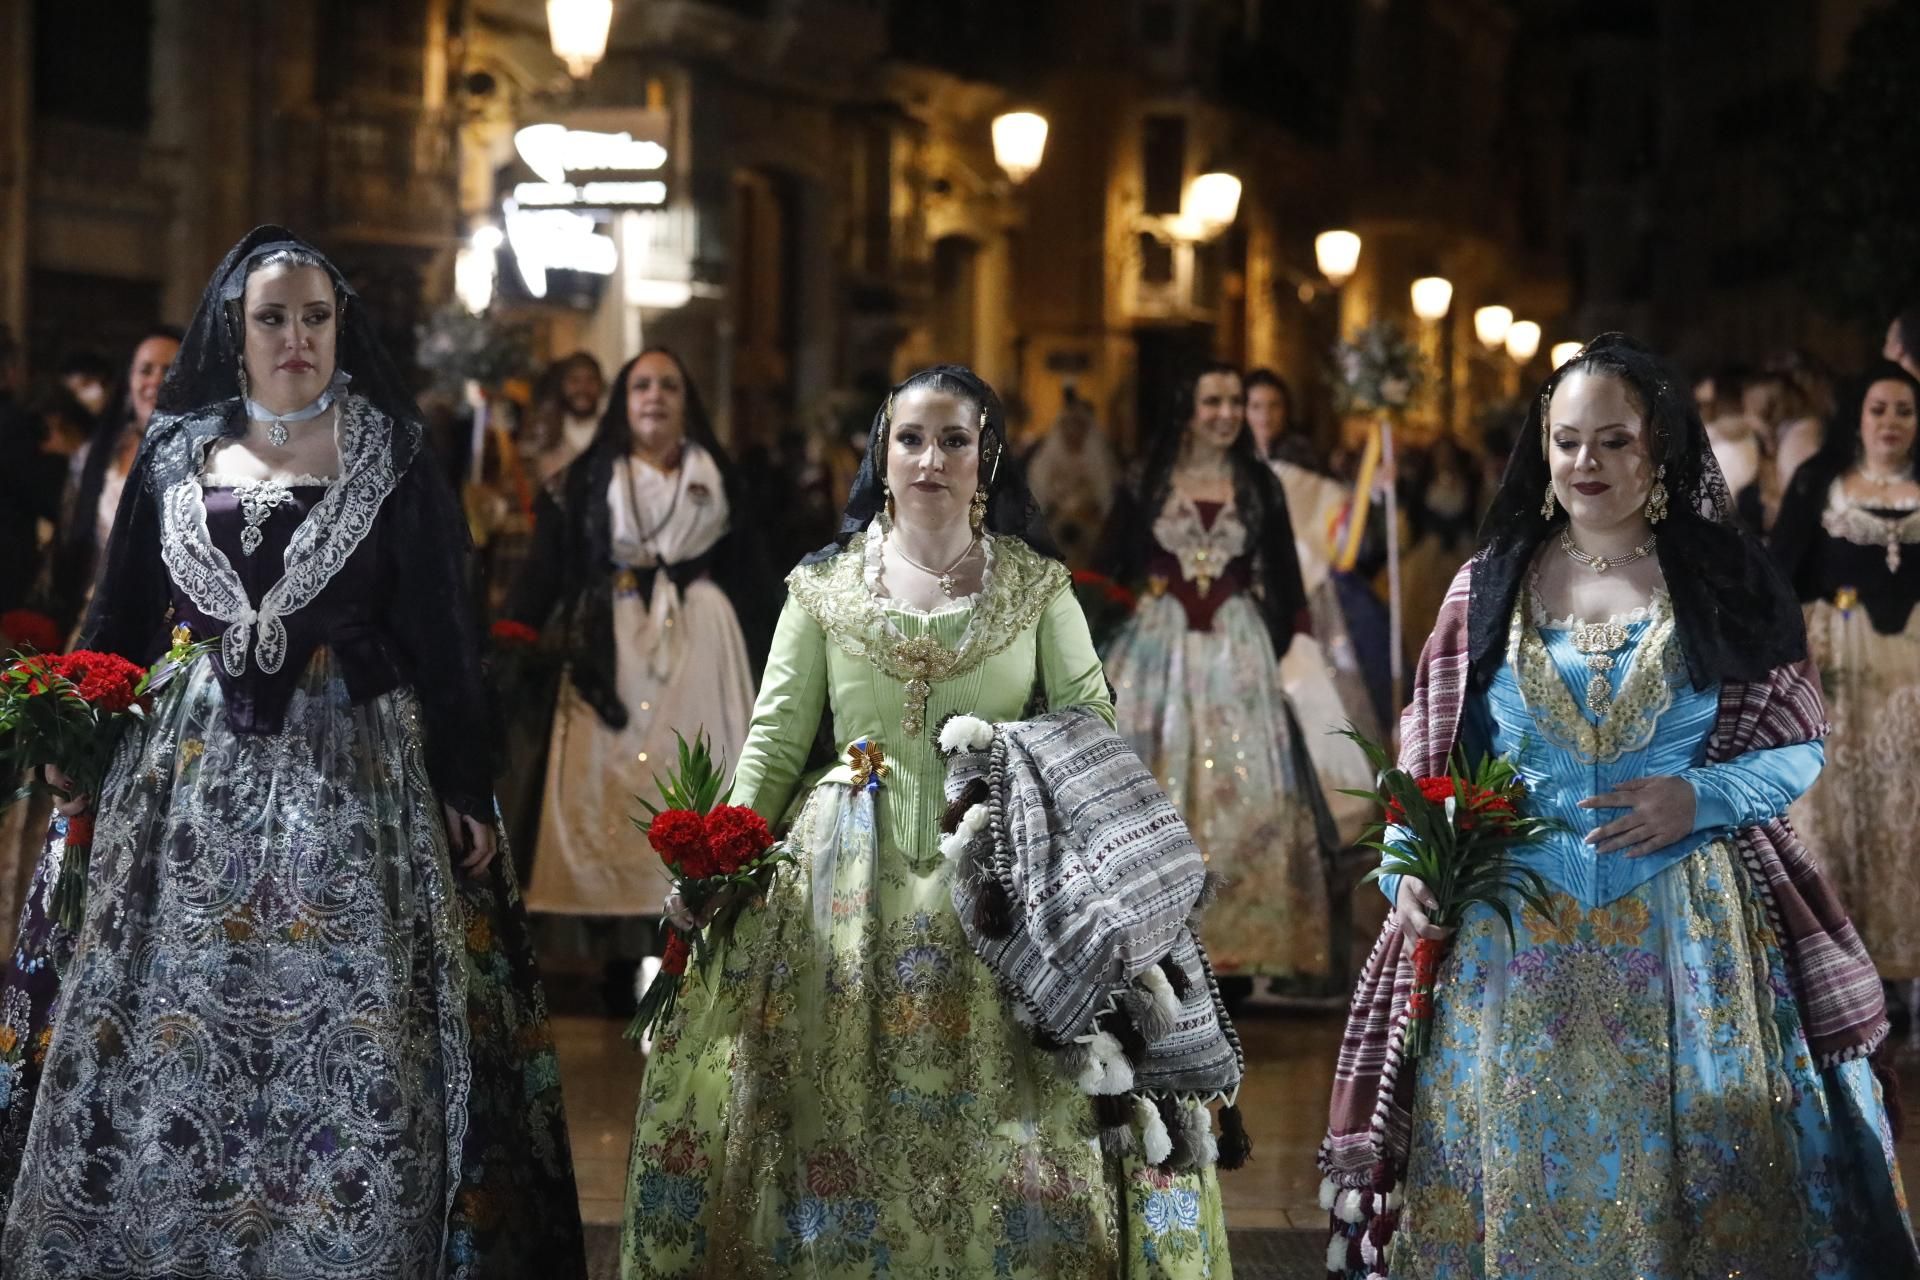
point(844, 1092)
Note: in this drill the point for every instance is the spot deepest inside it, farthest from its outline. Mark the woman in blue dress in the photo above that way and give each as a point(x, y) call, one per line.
point(1655, 1078)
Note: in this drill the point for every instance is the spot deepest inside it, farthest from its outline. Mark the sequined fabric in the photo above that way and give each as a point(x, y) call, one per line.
point(1626, 1090)
point(285, 1041)
point(1858, 819)
point(1204, 710)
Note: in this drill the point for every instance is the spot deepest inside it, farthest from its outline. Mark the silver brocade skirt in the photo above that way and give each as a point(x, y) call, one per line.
point(259, 1062)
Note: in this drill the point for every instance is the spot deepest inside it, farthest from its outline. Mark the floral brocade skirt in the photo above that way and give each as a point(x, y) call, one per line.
point(287, 1040)
point(1858, 818)
point(1626, 1090)
point(1206, 712)
point(844, 1096)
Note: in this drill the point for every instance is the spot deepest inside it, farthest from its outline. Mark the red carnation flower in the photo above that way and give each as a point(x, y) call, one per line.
point(105, 681)
point(738, 836)
point(30, 629)
point(507, 631)
point(679, 836)
point(674, 963)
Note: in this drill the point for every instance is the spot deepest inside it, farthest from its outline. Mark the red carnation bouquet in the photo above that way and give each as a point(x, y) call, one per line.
point(710, 850)
point(68, 710)
point(1456, 833)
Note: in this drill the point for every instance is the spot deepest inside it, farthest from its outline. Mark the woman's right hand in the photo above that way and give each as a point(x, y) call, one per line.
point(66, 808)
point(682, 917)
point(1413, 905)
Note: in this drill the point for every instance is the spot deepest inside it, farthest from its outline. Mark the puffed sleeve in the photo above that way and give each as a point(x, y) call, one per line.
point(786, 715)
point(1070, 670)
point(128, 614)
point(431, 620)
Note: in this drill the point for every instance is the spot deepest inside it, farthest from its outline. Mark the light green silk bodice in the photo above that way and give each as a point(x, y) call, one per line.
point(842, 647)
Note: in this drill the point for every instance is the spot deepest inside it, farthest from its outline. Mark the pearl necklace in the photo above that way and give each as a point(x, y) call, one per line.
point(1600, 564)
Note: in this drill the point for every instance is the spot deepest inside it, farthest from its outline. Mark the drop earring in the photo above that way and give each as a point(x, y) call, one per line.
point(889, 503)
point(1547, 507)
point(1657, 496)
point(977, 511)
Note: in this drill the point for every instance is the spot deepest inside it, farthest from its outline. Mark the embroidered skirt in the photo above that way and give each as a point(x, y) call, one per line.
point(286, 1040)
point(1626, 1090)
point(1858, 818)
point(845, 1096)
point(1205, 711)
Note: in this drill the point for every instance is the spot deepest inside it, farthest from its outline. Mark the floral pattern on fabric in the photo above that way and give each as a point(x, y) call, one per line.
point(322, 813)
point(1858, 818)
point(1206, 712)
point(845, 1096)
point(1626, 1090)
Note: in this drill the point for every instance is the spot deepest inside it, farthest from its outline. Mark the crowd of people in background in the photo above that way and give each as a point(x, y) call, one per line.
point(70, 439)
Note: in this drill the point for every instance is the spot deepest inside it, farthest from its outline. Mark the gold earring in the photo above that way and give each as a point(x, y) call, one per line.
point(245, 390)
point(977, 511)
point(890, 516)
point(1547, 508)
point(1657, 496)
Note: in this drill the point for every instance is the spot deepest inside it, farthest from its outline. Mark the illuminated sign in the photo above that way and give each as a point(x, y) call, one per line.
point(592, 168)
point(546, 240)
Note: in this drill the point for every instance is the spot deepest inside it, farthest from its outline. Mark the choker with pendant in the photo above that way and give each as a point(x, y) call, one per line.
point(279, 422)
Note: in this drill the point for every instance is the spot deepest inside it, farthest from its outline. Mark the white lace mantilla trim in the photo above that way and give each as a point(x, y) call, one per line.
point(329, 534)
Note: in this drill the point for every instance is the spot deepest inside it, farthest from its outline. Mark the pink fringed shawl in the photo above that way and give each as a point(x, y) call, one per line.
point(1838, 989)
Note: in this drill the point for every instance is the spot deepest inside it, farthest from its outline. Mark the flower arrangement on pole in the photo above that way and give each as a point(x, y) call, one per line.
point(1377, 372)
point(1456, 833)
point(717, 854)
point(68, 711)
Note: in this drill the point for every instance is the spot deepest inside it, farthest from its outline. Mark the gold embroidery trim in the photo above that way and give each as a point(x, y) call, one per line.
point(1628, 723)
point(1018, 590)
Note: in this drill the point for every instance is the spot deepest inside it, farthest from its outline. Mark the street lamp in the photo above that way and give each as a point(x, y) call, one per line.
point(1213, 201)
point(1337, 253)
point(1019, 142)
point(1490, 325)
point(1523, 341)
point(1563, 352)
point(1432, 295)
point(577, 29)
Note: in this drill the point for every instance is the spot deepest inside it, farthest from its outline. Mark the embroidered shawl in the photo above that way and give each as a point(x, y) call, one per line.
point(1103, 883)
point(1833, 978)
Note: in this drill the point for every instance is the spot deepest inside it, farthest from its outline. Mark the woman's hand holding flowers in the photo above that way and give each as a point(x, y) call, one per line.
point(1413, 905)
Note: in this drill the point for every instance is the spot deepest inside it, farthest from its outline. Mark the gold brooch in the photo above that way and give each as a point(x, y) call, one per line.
point(1846, 599)
point(626, 583)
point(869, 764)
point(182, 636)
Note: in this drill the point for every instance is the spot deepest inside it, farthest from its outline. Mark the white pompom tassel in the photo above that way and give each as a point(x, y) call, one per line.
point(965, 733)
point(1348, 1208)
point(1206, 1151)
point(1337, 1255)
point(1155, 1143)
point(1329, 1191)
point(1394, 1201)
point(1107, 1070)
point(953, 845)
point(1369, 1254)
point(1162, 1011)
point(974, 820)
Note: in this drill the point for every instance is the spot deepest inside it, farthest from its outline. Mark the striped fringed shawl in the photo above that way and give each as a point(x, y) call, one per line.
point(1835, 981)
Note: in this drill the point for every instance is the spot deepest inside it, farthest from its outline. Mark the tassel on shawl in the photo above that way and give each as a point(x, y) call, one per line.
point(1114, 1114)
point(1176, 975)
point(1199, 1130)
point(1117, 1023)
point(1182, 1153)
point(993, 911)
point(964, 733)
point(1156, 1008)
point(974, 793)
point(1236, 1148)
point(1156, 1144)
point(1107, 1069)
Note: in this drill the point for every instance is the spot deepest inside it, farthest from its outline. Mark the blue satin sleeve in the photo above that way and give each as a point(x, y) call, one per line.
point(1756, 786)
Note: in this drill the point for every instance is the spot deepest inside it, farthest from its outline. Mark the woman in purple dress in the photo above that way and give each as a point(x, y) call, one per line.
point(298, 1030)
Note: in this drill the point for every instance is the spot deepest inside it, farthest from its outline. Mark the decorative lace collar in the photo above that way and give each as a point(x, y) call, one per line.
point(1656, 666)
point(331, 531)
point(1018, 588)
point(871, 564)
point(1537, 611)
